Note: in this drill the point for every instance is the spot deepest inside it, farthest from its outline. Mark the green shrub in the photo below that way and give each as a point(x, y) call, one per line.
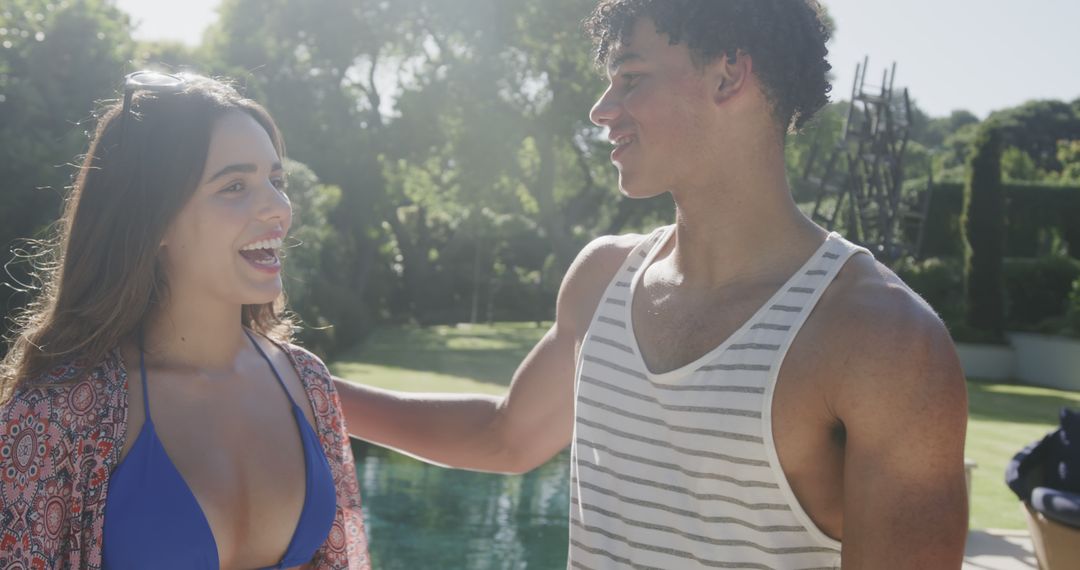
point(1037, 293)
point(942, 232)
point(962, 332)
point(938, 281)
point(984, 236)
point(1073, 312)
point(1034, 212)
point(1037, 290)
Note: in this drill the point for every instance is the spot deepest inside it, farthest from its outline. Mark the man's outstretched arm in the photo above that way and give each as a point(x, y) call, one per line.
point(509, 434)
point(903, 402)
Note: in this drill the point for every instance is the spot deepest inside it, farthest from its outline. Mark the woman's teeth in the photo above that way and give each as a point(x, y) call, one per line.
point(263, 252)
point(272, 244)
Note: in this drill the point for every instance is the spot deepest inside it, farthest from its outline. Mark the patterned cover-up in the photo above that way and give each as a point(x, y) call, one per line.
point(60, 439)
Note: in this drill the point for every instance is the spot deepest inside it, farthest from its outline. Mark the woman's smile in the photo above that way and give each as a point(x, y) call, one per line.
point(263, 254)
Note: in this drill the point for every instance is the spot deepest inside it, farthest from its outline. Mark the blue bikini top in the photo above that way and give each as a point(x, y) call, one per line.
point(152, 519)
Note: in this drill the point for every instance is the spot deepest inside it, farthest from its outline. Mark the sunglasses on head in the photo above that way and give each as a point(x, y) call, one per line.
point(145, 80)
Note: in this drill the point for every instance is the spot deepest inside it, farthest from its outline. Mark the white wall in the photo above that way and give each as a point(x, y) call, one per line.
point(1033, 359)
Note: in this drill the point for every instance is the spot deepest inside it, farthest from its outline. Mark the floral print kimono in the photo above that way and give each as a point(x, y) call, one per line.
point(60, 439)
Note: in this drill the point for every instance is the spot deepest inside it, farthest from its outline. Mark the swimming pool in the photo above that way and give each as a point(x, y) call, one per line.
point(424, 517)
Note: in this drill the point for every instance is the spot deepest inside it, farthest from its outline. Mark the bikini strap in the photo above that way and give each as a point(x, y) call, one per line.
point(142, 374)
point(271, 365)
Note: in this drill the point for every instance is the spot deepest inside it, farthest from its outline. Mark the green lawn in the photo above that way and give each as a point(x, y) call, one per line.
point(462, 358)
point(1003, 418)
point(482, 358)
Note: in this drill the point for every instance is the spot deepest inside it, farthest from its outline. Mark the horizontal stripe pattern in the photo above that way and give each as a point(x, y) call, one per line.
point(613, 343)
point(770, 327)
point(676, 467)
point(754, 346)
point(687, 451)
point(672, 470)
point(671, 427)
point(735, 367)
point(687, 557)
point(715, 541)
point(615, 367)
point(662, 507)
point(612, 322)
point(672, 407)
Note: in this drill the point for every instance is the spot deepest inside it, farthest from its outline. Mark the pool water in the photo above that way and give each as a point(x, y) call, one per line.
point(424, 517)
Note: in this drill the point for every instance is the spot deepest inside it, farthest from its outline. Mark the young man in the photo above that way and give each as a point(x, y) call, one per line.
point(743, 389)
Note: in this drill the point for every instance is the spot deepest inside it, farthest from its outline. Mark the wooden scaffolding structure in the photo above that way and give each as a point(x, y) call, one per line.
point(861, 190)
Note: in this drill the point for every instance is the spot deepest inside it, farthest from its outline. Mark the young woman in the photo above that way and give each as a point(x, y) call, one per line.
point(154, 413)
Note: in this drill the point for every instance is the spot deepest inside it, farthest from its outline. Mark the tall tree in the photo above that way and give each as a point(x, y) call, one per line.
point(1036, 127)
point(984, 235)
point(317, 66)
point(436, 119)
point(56, 60)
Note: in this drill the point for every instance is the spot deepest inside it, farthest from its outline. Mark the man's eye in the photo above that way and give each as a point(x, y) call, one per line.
point(280, 183)
point(233, 188)
point(631, 79)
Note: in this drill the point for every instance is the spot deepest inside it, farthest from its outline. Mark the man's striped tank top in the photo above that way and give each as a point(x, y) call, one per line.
point(678, 470)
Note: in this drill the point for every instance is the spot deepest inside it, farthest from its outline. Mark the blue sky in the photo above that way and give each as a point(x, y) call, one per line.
point(979, 55)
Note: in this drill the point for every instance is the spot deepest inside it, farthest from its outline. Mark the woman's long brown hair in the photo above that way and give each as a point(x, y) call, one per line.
point(102, 276)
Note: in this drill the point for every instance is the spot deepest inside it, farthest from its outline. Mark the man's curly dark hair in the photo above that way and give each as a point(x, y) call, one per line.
point(786, 39)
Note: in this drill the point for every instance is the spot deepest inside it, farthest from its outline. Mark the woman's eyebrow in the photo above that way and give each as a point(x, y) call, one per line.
point(245, 168)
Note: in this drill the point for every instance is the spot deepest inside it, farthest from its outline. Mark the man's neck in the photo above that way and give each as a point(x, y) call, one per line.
point(742, 225)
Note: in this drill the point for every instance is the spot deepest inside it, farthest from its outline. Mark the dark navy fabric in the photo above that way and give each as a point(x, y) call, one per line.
point(1058, 506)
point(1053, 465)
point(152, 519)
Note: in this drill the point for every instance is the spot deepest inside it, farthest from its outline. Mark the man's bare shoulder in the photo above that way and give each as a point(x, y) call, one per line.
point(885, 338)
point(868, 298)
point(605, 254)
point(893, 381)
point(589, 275)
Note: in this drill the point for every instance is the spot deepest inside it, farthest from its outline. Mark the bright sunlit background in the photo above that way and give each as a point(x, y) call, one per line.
point(444, 175)
point(978, 55)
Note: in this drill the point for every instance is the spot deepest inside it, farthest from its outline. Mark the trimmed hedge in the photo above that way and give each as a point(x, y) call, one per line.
point(1038, 289)
point(983, 221)
point(1073, 312)
point(1038, 292)
point(938, 281)
point(1031, 210)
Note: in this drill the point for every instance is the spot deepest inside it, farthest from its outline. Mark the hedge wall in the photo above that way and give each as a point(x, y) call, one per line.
point(1029, 210)
point(1037, 291)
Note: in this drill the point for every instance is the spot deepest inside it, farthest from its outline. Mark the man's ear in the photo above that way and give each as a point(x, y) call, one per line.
point(729, 74)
